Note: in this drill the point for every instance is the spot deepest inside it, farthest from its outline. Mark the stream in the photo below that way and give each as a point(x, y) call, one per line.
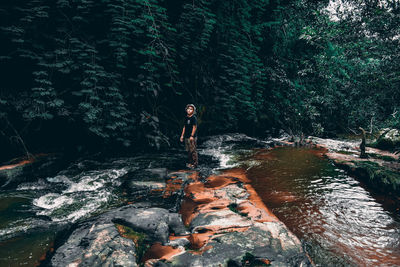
point(339, 222)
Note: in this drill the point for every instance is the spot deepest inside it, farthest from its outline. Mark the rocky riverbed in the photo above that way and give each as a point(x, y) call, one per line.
point(148, 210)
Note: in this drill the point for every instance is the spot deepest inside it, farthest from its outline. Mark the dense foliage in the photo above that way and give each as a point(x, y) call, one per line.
point(118, 73)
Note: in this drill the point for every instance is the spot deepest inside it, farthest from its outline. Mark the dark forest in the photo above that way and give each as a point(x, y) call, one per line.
point(118, 74)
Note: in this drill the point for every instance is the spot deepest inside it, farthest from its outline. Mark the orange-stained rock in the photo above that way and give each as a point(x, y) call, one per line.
point(217, 182)
point(158, 251)
point(257, 214)
point(202, 198)
point(198, 240)
point(201, 251)
point(188, 207)
point(206, 208)
point(191, 208)
point(265, 261)
point(238, 173)
point(194, 176)
point(172, 185)
point(217, 204)
point(258, 203)
point(23, 162)
point(11, 166)
point(194, 188)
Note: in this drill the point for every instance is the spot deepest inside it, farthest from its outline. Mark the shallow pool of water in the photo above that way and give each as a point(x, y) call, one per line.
point(339, 221)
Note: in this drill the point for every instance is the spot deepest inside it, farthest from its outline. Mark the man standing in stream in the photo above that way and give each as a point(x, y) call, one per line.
point(189, 135)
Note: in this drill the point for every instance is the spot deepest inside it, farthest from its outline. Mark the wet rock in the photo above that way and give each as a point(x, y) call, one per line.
point(155, 222)
point(175, 184)
point(379, 178)
point(231, 227)
point(141, 182)
point(336, 145)
point(146, 185)
point(179, 242)
point(219, 221)
point(14, 173)
point(96, 244)
point(233, 247)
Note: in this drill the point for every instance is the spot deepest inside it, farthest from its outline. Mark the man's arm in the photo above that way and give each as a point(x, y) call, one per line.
point(183, 132)
point(193, 131)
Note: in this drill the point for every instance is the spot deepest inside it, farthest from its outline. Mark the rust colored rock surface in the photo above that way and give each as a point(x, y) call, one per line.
point(227, 219)
point(158, 251)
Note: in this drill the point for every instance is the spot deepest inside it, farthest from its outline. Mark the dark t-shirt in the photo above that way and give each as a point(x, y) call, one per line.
point(189, 122)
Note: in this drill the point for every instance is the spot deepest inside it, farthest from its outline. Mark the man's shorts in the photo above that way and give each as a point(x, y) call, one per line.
point(190, 145)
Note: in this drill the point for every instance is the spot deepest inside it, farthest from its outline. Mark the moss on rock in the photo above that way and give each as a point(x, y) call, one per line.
point(138, 238)
point(381, 178)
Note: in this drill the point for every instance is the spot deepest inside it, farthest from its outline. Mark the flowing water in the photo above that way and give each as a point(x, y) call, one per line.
point(340, 223)
point(34, 213)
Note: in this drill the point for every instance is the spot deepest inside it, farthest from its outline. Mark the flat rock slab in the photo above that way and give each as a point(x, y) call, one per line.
point(98, 242)
point(155, 222)
point(259, 241)
point(144, 180)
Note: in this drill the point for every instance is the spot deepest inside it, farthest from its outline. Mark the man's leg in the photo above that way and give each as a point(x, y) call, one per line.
point(193, 150)
point(188, 150)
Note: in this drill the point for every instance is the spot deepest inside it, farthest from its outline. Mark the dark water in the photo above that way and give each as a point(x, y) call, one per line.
point(340, 222)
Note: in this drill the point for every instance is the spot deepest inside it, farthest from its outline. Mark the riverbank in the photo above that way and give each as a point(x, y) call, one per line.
point(380, 171)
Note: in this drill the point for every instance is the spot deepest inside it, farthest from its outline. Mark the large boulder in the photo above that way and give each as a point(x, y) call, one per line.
point(155, 222)
point(388, 139)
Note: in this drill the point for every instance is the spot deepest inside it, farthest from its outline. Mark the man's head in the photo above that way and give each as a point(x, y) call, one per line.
point(190, 109)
